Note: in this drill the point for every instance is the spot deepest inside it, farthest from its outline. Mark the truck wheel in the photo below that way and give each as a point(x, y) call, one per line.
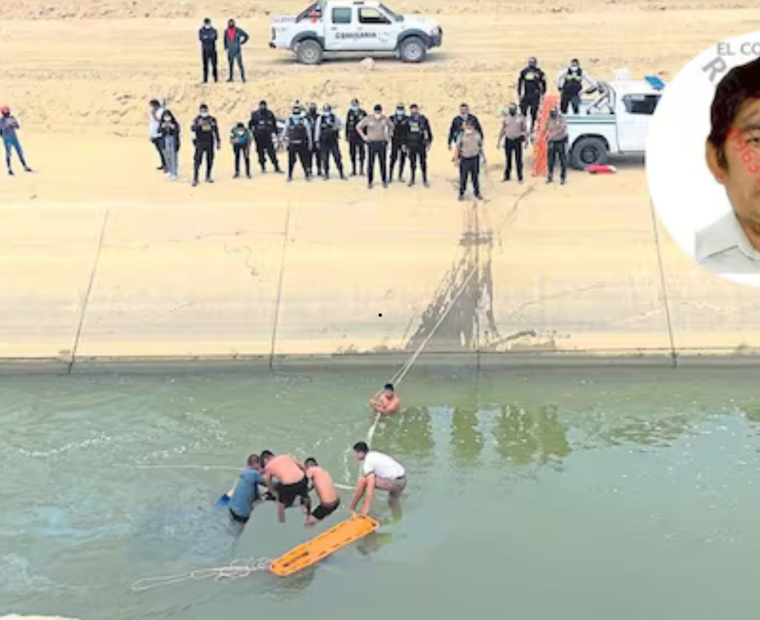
point(413, 49)
point(587, 151)
point(309, 52)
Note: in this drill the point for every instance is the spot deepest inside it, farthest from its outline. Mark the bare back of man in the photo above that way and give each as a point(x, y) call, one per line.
point(328, 495)
point(291, 481)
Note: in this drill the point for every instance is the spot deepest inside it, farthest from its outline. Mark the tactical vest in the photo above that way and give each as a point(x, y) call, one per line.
point(327, 128)
point(298, 133)
point(416, 131)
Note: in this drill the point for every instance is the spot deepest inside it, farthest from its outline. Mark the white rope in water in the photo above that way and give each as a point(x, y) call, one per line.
point(238, 569)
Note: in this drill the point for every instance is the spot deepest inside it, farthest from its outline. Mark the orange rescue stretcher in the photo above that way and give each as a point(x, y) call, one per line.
point(327, 543)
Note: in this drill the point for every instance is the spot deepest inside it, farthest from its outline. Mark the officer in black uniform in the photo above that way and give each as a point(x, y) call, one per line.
point(263, 125)
point(419, 138)
point(298, 136)
point(208, 36)
point(531, 87)
point(398, 142)
point(328, 138)
point(570, 84)
point(458, 123)
point(314, 156)
point(357, 147)
point(206, 131)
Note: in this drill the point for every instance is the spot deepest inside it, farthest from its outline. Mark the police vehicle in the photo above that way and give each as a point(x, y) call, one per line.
point(616, 123)
point(367, 27)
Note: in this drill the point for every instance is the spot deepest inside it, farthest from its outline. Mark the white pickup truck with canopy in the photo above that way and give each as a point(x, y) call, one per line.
point(617, 123)
point(354, 26)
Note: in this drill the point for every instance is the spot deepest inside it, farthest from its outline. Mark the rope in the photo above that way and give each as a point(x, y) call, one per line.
point(237, 569)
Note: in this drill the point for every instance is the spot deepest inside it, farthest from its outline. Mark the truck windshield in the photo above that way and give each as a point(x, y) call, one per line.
point(315, 10)
point(388, 12)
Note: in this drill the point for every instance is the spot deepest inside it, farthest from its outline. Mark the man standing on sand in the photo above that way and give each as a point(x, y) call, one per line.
point(155, 114)
point(9, 127)
point(376, 131)
point(291, 481)
point(556, 137)
point(208, 37)
point(298, 137)
point(263, 124)
point(206, 132)
point(468, 155)
point(531, 87)
point(328, 137)
point(513, 133)
point(419, 138)
point(234, 40)
point(357, 148)
point(379, 471)
point(387, 403)
point(323, 485)
point(398, 142)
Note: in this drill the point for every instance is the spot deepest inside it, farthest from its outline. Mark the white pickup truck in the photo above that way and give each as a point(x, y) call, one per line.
point(354, 26)
point(616, 123)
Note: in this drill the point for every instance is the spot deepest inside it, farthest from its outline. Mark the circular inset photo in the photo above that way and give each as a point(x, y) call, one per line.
point(703, 158)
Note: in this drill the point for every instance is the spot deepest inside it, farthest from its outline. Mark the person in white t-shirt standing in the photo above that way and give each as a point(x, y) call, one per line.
point(155, 114)
point(379, 471)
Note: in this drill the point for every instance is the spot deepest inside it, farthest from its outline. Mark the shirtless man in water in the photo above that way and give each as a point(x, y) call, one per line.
point(323, 485)
point(291, 481)
point(387, 403)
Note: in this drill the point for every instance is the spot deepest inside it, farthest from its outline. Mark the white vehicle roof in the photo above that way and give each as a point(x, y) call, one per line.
point(634, 86)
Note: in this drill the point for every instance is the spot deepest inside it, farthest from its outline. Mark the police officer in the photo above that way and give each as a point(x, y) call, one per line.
point(357, 148)
point(375, 130)
point(208, 36)
point(419, 137)
point(531, 87)
point(263, 125)
point(469, 153)
point(314, 155)
point(398, 142)
point(457, 125)
point(513, 133)
point(298, 137)
point(328, 138)
point(206, 131)
point(570, 84)
point(556, 136)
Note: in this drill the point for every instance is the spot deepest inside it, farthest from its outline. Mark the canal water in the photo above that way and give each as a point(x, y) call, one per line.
point(537, 494)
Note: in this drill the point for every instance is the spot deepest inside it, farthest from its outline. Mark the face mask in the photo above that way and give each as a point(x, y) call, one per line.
point(378, 116)
point(204, 114)
point(463, 114)
point(207, 26)
point(574, 67)
point(355, 108)
point(399, 113)
point(297, 116)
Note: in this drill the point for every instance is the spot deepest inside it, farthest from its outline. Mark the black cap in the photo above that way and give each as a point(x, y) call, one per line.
point(378, 108)
point(262, 102)
point(354, 102)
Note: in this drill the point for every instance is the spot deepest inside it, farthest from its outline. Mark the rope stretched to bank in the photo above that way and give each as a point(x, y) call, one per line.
point(237, 569)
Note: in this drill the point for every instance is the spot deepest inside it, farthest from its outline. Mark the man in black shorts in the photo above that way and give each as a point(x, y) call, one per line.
point(322, 483)
point(291, 481)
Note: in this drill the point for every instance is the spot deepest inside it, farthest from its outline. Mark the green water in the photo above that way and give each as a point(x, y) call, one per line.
point(625, 494)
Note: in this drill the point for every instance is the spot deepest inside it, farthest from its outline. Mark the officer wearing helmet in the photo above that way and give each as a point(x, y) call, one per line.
point(328, 137)
point(298, 137)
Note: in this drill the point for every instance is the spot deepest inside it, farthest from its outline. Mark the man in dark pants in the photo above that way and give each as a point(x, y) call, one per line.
point(240, 138)
point(468, 154)
point(206, 131)
point(570, 85)
point(328, 137)
point(419, 137)
point(234, 40)
point(556, 136)
point(208, 36)
point(357, 148)
point(298, 137)
point(457, 124)
point(263, 124)
point(512, 135)
point(315, 154)
point(531, 87)
point(376, 131)
point(398, 142)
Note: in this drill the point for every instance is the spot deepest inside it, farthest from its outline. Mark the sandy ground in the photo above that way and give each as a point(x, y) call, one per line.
point(100, 256)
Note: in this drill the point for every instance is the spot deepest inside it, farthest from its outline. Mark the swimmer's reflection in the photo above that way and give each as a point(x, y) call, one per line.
point(524, 435)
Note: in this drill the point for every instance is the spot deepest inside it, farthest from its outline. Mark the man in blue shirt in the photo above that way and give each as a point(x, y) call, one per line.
point(246, 492)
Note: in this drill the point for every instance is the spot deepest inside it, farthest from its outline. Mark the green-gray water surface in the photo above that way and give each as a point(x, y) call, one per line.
point(536, 494)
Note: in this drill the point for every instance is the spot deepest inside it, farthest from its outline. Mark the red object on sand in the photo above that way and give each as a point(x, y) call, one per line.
point(601, 169)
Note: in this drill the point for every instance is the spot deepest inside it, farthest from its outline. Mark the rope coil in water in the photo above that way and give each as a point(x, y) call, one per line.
point(238, 569)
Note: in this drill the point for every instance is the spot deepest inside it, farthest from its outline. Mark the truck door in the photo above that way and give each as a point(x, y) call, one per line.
point(340, 25)
point(376, 30)
point(634, 119)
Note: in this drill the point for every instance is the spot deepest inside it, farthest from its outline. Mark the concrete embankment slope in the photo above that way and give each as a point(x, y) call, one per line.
point(333, 269)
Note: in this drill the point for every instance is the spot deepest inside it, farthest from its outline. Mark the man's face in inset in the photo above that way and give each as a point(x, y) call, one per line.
point(741, 173)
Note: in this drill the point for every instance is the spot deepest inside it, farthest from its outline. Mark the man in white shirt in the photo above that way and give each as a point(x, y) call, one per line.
point(379, 471)
point(732, 244)
point(155, 114)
